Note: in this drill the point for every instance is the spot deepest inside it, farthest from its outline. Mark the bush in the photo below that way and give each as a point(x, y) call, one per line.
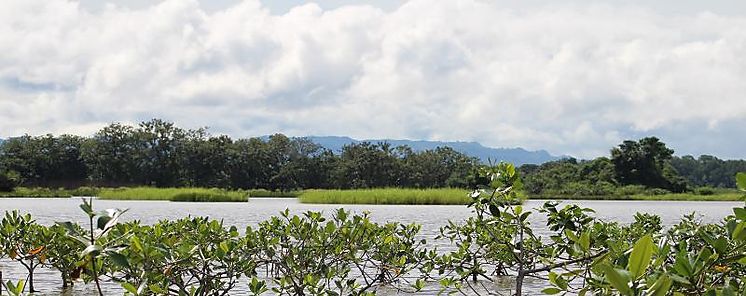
point(657, 191)
point(704, 191)
point(630, 190)
point(85, 191)
point(9, 180)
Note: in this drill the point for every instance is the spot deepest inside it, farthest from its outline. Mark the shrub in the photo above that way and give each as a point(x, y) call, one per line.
point(657, 191)
point(85, 191)
point(9, 180)
point(630, 190)
point(704, 191)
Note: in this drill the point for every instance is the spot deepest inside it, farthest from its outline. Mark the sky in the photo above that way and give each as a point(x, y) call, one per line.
point(572, 77)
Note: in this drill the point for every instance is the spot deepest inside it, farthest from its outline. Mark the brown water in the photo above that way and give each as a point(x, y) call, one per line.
point(47, 211)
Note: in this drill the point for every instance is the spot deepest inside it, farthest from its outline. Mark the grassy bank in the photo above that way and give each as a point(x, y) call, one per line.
point(722, 196)
point(389, 196)
point(267, 193)
point(50, 192)
point(174, 194)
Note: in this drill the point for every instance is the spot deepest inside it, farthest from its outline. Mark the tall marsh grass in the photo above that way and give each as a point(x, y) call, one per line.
point(388, 196)
point(268, 193)
point(174, 194)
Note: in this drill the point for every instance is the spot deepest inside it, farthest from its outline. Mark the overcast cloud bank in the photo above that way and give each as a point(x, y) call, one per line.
point(573, 80)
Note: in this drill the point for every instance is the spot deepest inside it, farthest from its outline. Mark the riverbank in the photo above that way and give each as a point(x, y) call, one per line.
point(148, 193)
point(720, 196)
point(394, 196)
point(41, 192)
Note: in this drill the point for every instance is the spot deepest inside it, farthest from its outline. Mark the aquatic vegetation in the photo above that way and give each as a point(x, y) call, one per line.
point(439, 196)
point(348, 254)
point(276, 193)
point(173, 194)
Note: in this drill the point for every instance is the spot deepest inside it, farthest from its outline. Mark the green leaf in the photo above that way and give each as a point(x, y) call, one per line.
point(129, 287)
point(740, 213)
point(741, 181)
point(740, 232)
point(661, 286)
point(93, 250)
point(419, 285)
point(682, 264)
point(571, 235)
point(119, 259)
point(101, 222)
point(585, 241)
point(640, 257)
point(156, 289)
point(728, 291)
point(617, 279)
point(551, 291)
point(224, 246)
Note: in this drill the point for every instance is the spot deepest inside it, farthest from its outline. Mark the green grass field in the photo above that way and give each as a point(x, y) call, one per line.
point(389, 196)
point(174, 194)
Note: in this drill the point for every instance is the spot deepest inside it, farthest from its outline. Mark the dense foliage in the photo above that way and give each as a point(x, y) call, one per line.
point(347, 254)
point(157, 153)
point(708, 170)
point(645, 167)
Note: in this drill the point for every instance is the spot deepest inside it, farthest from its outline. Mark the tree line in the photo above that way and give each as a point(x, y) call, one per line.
point(644, 166)
point(158, 153)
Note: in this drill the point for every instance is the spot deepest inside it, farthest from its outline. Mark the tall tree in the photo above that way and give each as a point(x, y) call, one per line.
point(645, 162)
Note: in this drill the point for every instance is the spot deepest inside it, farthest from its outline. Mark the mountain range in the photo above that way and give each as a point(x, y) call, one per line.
point(517, 156)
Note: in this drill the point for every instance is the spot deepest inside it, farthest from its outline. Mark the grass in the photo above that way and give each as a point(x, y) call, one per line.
point(174, 194)
point(719, 196)
point(267, 193)
point(388, 196)
point(38, 192)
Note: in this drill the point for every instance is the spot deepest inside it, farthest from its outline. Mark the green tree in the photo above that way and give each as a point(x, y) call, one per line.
point(45, 160)
point(646, 162)
point(111, 156)
point(161, 145)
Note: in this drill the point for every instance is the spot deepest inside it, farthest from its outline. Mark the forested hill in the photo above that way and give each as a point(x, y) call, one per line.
point(517, 156)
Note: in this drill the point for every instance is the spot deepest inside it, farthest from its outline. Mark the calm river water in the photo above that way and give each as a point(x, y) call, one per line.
point(47, 211)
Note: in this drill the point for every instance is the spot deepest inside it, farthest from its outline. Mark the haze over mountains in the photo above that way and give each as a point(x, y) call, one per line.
point(516, 156)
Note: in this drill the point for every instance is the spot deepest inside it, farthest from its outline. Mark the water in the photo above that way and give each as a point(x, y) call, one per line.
point(47, 211)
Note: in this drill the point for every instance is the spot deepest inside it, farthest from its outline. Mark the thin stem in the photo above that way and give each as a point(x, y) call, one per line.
point(93, 256)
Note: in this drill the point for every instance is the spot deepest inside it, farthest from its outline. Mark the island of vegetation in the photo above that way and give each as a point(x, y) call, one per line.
point(158, 160)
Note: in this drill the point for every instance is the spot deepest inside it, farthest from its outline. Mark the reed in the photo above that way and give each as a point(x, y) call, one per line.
point(388, 196)
point(268, 193)
point(173, 194)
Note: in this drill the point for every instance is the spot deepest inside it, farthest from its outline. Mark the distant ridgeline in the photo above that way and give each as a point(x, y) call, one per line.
point(517, 156)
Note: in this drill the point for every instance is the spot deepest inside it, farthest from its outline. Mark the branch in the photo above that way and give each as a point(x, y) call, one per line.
point(561, 264)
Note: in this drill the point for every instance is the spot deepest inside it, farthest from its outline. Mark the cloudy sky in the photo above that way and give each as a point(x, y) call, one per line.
point(575, 77)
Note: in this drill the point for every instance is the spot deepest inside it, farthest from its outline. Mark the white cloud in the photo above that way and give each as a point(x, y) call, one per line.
point(574, 79)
